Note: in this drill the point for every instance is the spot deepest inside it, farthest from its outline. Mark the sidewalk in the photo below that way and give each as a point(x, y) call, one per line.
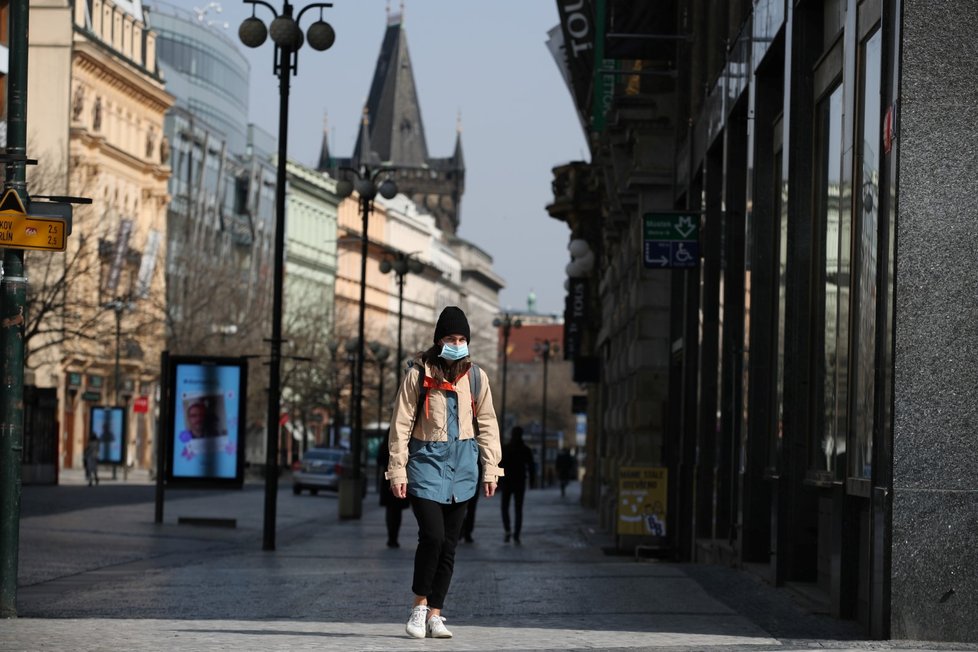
point(108, 578)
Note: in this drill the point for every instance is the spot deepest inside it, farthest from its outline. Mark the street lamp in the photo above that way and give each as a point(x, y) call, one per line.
point(288, 38)
point(381, 353)
point(118, 305)
point(544, 348)
point(365, 182)
point(401, 264)
point(334, 418)
point(507, 323)
point(352, 346)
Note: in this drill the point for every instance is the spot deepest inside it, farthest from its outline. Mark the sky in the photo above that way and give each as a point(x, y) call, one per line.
point(487, 61)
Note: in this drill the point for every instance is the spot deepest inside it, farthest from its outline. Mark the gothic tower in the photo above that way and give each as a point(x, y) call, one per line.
point(392, 134)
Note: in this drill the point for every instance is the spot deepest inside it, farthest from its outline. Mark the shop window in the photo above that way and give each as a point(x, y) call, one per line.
point(827, 442)
point(780, 210)
point(866, 264)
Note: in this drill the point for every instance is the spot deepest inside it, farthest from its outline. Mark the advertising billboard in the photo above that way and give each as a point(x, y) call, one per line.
point(108, 425)
point(206, 415)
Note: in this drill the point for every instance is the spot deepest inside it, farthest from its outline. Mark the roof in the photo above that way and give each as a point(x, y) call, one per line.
point(396, 129)
point(522, 340)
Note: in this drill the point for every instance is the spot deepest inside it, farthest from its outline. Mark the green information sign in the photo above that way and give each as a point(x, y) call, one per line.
point(671, 240)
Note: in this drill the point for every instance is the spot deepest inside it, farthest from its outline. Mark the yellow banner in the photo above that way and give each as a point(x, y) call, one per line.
point(642, 499)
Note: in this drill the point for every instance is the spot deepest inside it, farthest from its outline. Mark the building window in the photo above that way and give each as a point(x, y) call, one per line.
point(867, 253)
point(829, 363)
point(780, 210)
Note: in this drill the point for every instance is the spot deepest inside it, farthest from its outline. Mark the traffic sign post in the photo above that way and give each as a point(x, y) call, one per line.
point(671, 240)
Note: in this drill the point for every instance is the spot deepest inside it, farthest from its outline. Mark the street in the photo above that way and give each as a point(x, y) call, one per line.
point(97, 574)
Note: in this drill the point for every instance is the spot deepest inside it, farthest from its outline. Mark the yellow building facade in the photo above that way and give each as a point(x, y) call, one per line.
point(96, 104)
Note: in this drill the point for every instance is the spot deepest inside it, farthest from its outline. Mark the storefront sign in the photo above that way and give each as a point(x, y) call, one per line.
point(140, 404)
point(642, 499)
point(577, 25)
point(575, 317)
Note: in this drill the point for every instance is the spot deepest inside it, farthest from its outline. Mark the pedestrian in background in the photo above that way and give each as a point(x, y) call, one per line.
point(91, 460)
point(518, 464)
point(565, 468)
point(393, 506)
point(434, 460)
point(468, 525)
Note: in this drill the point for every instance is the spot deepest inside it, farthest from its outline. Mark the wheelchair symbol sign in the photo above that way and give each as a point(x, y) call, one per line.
point(671, 240)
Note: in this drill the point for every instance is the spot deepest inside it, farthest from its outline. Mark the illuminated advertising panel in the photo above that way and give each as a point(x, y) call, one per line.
point(108, 425)
point(206, 410)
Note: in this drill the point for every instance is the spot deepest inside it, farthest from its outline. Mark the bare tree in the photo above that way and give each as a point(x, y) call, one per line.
point(60, 304)
point(524, 395)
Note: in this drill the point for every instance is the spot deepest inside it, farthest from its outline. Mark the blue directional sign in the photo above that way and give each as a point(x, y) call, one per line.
point(671, 240)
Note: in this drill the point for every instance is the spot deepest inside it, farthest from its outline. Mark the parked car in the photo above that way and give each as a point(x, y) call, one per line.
point(321, 468)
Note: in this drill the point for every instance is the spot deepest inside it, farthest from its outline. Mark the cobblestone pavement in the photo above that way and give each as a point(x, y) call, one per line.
point(101, 575)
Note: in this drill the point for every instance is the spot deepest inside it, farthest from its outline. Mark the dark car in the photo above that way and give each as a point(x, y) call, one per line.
point(321, 468)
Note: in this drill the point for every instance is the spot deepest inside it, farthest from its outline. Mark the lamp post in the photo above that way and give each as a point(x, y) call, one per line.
point(288, 38)
point(365, 182)
point(334, 415)
point(545, 348)
point(352, 346)
point(118, 306)
point(507, 323)
point(401, 264)
point(381, 353)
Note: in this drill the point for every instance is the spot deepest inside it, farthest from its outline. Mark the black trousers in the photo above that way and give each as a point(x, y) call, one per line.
point(439, 527)
point(392, 516)
point(517, 493)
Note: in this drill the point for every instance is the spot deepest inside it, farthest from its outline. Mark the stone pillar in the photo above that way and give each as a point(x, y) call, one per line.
point(934, 586)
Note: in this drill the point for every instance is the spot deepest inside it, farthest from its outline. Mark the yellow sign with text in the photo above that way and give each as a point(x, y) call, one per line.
point(18, 230)
point(642, 499)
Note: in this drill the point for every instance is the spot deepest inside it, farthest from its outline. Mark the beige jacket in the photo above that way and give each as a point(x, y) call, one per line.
point(434, 427)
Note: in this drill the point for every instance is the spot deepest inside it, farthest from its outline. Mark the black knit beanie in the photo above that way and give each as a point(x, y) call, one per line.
point(452, 321)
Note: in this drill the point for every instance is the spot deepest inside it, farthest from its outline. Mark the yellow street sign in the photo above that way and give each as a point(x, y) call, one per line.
point(21, 231)
point(24, 232)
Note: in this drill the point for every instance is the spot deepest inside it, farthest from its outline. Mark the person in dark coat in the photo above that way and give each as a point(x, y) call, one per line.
point(565, 469)
point(518, 463)
point(393, 506)
point(468, 525)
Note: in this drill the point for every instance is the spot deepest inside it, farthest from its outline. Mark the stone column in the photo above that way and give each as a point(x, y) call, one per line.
point(935, 431)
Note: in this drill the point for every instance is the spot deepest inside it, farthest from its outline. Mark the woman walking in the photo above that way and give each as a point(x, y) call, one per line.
point(443, 425)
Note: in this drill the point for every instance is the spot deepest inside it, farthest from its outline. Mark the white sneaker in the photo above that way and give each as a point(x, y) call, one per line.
point(437, 629)
point(416, 623)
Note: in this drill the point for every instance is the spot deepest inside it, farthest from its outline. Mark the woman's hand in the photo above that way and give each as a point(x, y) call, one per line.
point(490, 489)
point(399, 490)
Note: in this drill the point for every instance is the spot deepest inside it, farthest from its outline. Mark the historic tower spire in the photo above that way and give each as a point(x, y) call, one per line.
point(395, 134)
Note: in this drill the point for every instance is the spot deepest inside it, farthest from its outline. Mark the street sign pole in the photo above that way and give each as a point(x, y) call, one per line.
point(13, 303)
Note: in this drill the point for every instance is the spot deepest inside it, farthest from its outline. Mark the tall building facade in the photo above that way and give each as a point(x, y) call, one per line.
point(806, 378)
point(221, 220)
point(96, 104)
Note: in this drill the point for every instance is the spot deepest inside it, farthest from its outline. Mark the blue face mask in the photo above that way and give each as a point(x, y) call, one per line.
point(454, 351)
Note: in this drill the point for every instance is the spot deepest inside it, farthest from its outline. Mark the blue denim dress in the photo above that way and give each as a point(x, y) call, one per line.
point(444, 471)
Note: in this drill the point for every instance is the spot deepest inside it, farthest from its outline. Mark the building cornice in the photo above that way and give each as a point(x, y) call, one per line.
point(116, 72)
point(98, 143)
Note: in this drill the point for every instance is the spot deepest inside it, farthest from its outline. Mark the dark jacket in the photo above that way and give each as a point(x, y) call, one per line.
point(518, 463)
point(387, 499)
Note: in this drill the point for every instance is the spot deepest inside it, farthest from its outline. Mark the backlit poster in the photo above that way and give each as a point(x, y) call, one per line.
point(108, 426)
point(206, 407)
